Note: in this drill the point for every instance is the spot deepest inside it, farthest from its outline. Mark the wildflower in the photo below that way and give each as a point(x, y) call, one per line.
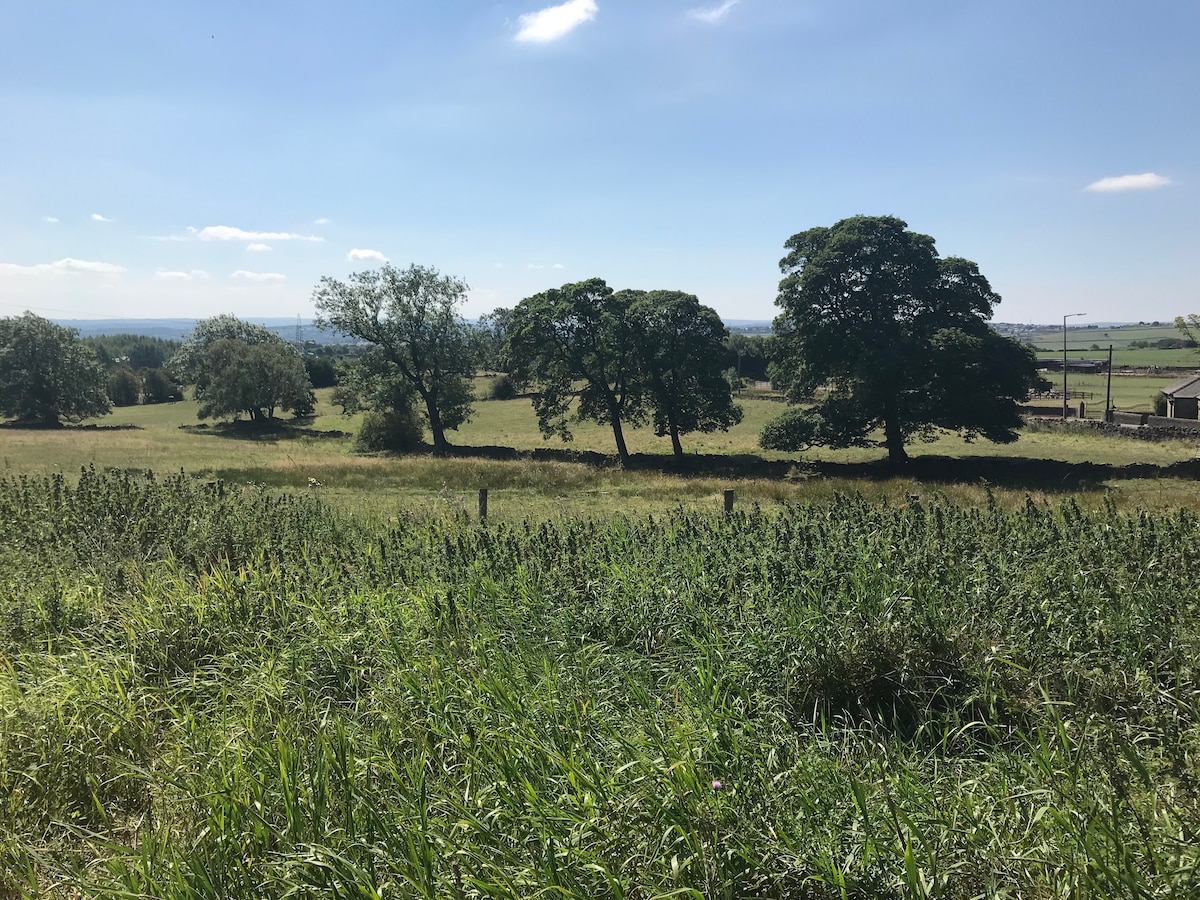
point(717, 785)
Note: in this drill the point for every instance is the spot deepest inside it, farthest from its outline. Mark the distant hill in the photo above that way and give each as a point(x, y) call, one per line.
point(177, 329)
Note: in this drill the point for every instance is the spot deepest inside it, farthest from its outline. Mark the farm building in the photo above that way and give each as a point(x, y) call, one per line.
point(1183, 398)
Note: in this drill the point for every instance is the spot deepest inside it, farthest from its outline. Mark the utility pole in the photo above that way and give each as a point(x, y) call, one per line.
point(1108, 390)
point(1067, 316)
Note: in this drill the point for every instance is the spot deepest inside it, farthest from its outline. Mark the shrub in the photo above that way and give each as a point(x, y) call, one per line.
point(503, 388)
point(392, 431)
point(124, 387)
point(1160, 404)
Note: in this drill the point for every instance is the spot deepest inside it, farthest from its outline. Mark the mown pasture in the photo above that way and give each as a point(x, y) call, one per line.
point(224, 691)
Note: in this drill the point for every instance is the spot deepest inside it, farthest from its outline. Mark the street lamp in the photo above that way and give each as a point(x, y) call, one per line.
point(1067, 316)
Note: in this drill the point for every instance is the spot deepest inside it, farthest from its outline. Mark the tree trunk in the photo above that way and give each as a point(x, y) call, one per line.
point(676, 447)
point(618, 435)
point(894, 437)
point(440, 444)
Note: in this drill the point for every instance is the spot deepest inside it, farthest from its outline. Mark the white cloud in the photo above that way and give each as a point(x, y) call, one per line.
point(558, 266)
point(96, 217)
point(229, 233)
point(192, 275)
point(62, 266)
point(1147, 181)
point(711, 15)
point(541, 266)
point(258, 248)
point(321, 221)
point(50, 220)
point(366, 254)
point(554, 22)
point(258, 276)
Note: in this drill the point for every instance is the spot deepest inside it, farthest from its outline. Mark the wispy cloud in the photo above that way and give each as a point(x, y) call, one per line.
point(258, 276)
point(50, 220)
point(366, 254)
point(543, 266)
point(191, 275)
point(321, 221)
point(711, 15)
point(258, 248)
point(1147, 181)
point(62, 266)
point(96, 217)
point(229, 233)
point(554, 22)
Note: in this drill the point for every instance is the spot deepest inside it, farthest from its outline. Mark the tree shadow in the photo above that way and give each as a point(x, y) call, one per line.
point(269, 432)
point(1013, 472)
point(62, 426)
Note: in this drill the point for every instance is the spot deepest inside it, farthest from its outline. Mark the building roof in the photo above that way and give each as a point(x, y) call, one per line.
point(1184, 389)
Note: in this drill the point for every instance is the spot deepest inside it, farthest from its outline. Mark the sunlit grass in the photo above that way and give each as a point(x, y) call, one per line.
point(216, 691)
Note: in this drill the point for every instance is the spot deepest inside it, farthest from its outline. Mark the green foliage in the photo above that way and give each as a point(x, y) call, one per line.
point(621, 358)
point(135, 350)
point(159, 387)
point(577, 344)
point(47, 374)
point(396, 430)
point(411, 317)
point(898, 338)
point(124, 387)
point(255, 379)
point(490, 342)
point(322, 372)
point(238, 367)
point(209, 690)
point(749, 355)
point(680, 354)
point(1159, 400)
point(503, 388)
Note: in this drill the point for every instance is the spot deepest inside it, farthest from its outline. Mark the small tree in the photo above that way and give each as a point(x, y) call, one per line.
point(159, 387)
point(47, 374)
point(240, 367)
point(898, 338)
point(681, 348)
point(411, 317)
point(255, 379)
point(124, 386)
point(578, 344)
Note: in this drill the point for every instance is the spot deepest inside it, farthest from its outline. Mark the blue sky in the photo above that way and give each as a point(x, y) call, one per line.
point(168, 159)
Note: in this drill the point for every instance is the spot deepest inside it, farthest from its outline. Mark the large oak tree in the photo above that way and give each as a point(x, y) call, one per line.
point(897, 339)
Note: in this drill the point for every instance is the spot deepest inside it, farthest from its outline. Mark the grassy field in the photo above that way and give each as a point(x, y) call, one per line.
point(298, 460)
point(237, 694)
point(291, 671)
point(1081, 340)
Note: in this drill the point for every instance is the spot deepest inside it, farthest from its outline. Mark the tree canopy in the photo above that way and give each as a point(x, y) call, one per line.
point(578, 344)
point(237, 367)
point(420, 342)
point(895, 337)
point(622, 358)
point(681, 354)
point(47, 374)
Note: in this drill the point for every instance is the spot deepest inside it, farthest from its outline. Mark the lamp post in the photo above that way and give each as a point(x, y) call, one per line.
point(1067, 316)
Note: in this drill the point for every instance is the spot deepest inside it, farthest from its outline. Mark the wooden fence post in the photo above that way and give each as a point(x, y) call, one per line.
point(729, 500)
point(483, 504)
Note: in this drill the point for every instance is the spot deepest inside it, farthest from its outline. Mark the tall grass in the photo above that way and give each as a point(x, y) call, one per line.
point(211, 691)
